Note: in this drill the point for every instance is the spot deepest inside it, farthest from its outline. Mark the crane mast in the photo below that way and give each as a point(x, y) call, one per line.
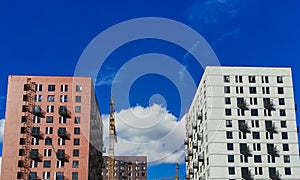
point(112, 141)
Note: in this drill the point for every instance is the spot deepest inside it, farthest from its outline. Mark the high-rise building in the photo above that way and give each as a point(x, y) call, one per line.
point(127, 167)
point(242, 125)
point(53, 129)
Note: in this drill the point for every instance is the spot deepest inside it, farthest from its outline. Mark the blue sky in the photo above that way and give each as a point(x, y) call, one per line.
point(47, 38)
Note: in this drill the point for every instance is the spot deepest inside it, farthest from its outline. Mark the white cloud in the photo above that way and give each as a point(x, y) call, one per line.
point(150, 131)
point(1, 129)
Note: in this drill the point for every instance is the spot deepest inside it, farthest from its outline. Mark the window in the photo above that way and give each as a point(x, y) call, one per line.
point(227, 89)
point(286, 158)
point(279, 79)
point(228, 112)
point(33, 164)
point(49, 119)
point(51, 87)
point(47, 164)
point(252, 79)
point(228, 123)
point(63, 98)
point(77, 120)
point(287, 171)
point(230, 158)
point(49, 130)
point(64, 88)
point(284, 135)
point(231, 170)
point(229, 146)
point(75, 164)
point(39, 87)
point(226, 79)
point(229, 135)
point(46, 175)
point(61, 141)
point(37, 120)
point(50, 109)
point(281, 101)
point(74, 175)
point(48, 141)
point(62, 120)
point(35, 141)
point(60, 164)
point(77, 109)
point(257, 158)
point(285, 147)
point(76, 130)
point(252, 90)
point(47, 152)
point(254, 112)
point(282, 112)
point(50, 98)
point(76, 152)
point(283, 124)
point(280, 90)
point(255, 135)
point(78, 88)
point(78, 98)
point(38, 98)
point(76, 141)
point(227, 100)
point(22, 141)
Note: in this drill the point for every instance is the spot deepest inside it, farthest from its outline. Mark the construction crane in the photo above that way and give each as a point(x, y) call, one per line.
point(176, 177)
point(112, 140)
point(29, 88)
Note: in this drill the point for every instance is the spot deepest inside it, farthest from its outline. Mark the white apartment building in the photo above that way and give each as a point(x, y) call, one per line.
point(242, 125)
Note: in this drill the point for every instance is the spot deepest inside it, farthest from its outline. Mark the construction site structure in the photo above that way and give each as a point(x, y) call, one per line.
point(112, 141)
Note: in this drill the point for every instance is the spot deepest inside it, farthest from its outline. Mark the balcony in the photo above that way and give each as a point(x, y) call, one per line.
point(243, 126)
point(62, 132)
point(200, 136)
point(195, 165)
point(63, 111)
point(187, 159)
point(247, 175)
point(199, 116)
point(241, 103)
point(195, 144)
point(275, 176)
point(35, 155)
point(268, 104)
point(35, 132)
point(245, 150)
point(194, 126)
point(61, 155)
point(190, 134)
point(201, 157)
point(33, 176)
point(272, 150)
point(186, 142)
point(37, 111)
point(270, 126)
point(190, 152)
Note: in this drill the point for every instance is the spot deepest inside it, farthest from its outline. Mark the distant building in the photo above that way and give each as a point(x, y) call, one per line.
point(242, 125)
point(56, 123)
point(127, 167)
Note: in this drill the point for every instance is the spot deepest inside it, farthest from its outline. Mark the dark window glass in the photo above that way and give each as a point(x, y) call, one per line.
point(254, 112)
point(286, 158)
point(231, 170)
point(48, 141)
point(51, 87)
point(230, 158)
point(255, 135)
point(228, 123)
point(230, 146)
point(229, 135)
point(252, 79)
point(227, 100)
point(283, 124)
point(77, 120)
point(76, 141)
point(227, 89)
point(280, 90)
point(285, 147)
point(228, 112)
point(226, 79)
point(76, 130)
point(47, 164)
point(74, 175)
point(282, 112)
point(257, 158)
point(279, 79)
point(76, 152)
point(287, 171)
point(284, 135)
point(252, 90)
point(281, 101)
point(49, 119)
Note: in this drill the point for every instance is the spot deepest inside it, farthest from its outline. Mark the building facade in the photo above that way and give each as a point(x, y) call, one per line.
point(242, 125)
point(53, 129)
point(127, 167)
